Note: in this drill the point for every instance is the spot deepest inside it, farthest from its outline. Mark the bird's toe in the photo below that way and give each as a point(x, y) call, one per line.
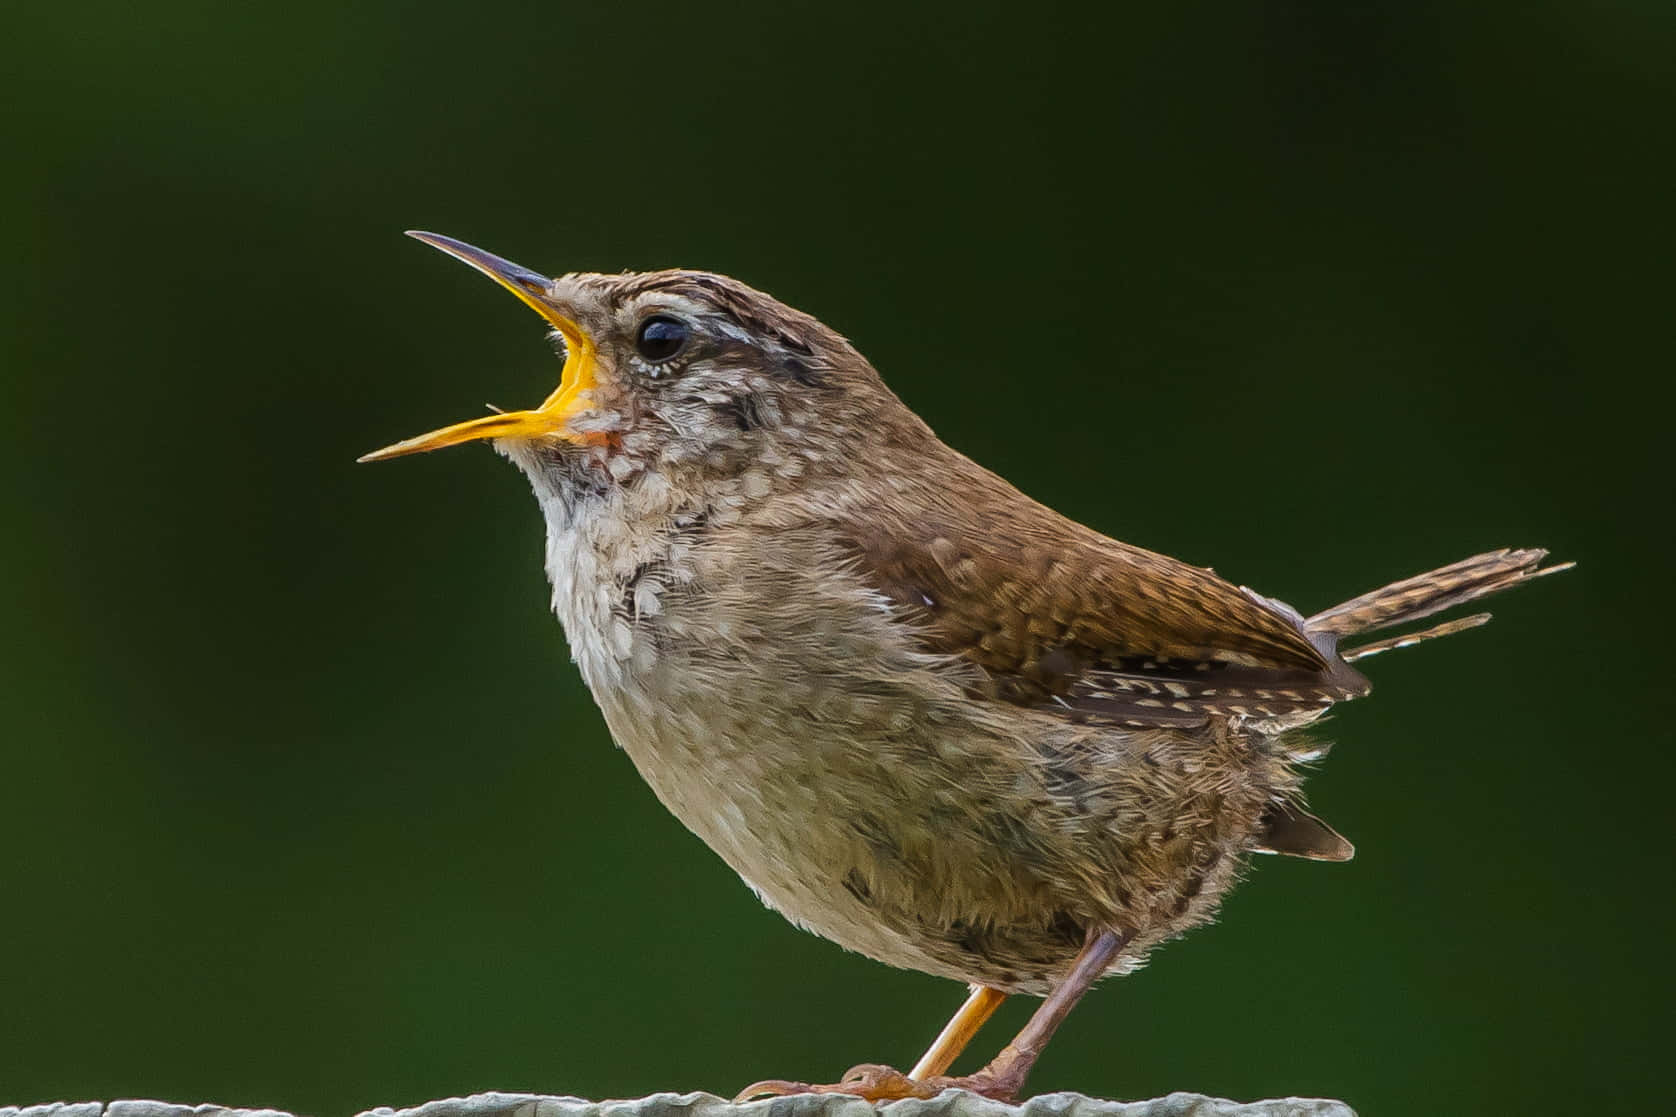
point(873, 1082)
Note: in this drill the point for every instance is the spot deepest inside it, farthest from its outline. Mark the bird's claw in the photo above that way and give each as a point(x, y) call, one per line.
point(771, 1088)
point(875, 1082)
point(870, 1081)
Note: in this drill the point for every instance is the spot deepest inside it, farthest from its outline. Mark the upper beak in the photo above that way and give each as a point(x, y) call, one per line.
point(552, 418)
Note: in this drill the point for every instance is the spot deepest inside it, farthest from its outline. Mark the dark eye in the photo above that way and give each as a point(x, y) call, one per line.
point(661, 337)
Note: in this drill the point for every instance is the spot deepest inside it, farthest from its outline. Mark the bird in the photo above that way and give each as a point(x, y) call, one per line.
point(919, 713)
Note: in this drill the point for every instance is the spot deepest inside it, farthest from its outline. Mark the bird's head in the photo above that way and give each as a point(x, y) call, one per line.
point(674, 372)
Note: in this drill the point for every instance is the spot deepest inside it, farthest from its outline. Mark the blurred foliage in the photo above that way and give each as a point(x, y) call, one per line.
point(305, 806)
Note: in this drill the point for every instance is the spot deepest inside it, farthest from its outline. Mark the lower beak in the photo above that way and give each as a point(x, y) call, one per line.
point(552, 418)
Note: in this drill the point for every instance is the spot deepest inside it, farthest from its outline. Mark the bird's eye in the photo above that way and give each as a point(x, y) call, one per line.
point(661, 337)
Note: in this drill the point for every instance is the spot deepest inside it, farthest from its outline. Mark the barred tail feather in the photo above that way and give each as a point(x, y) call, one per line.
point(1423, 595)
point(1409, 639)
point(1287, 828)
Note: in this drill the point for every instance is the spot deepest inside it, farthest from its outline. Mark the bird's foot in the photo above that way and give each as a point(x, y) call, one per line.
point(874, 1082)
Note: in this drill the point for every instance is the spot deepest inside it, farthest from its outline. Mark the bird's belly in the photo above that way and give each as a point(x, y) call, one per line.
point(853, 780)
point(935, 848)
point(753, 786)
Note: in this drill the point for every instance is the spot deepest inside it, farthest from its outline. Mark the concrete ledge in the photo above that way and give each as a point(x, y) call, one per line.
point(953, 1103)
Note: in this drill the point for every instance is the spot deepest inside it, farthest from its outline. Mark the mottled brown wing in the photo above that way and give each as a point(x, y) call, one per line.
point(1059, 615)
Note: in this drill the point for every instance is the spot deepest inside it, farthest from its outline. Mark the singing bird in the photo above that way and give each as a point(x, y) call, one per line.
point(919, 713)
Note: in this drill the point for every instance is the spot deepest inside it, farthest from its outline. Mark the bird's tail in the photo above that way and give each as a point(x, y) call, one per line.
point(1288, 828)
point(1414, 598)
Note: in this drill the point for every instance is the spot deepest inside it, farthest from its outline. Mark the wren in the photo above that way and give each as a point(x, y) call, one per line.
point(919, 713)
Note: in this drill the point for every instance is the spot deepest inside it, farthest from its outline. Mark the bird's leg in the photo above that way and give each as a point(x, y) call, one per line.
point(942, 1053)
point(958, 1032)
point(1004, 1077)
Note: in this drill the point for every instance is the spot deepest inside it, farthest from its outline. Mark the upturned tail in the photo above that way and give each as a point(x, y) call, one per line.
point(1425, 594)
point(1288, 828)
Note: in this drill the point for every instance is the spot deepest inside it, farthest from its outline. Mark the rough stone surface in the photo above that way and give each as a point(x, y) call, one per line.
point(953, 1103)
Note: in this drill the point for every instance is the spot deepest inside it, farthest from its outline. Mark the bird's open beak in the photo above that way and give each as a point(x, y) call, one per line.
point(551, 419)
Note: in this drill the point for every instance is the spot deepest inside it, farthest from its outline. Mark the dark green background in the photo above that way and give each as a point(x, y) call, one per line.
point(304, 805)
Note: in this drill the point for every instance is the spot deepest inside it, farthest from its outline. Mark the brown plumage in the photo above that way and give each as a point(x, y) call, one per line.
point(918, 712)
